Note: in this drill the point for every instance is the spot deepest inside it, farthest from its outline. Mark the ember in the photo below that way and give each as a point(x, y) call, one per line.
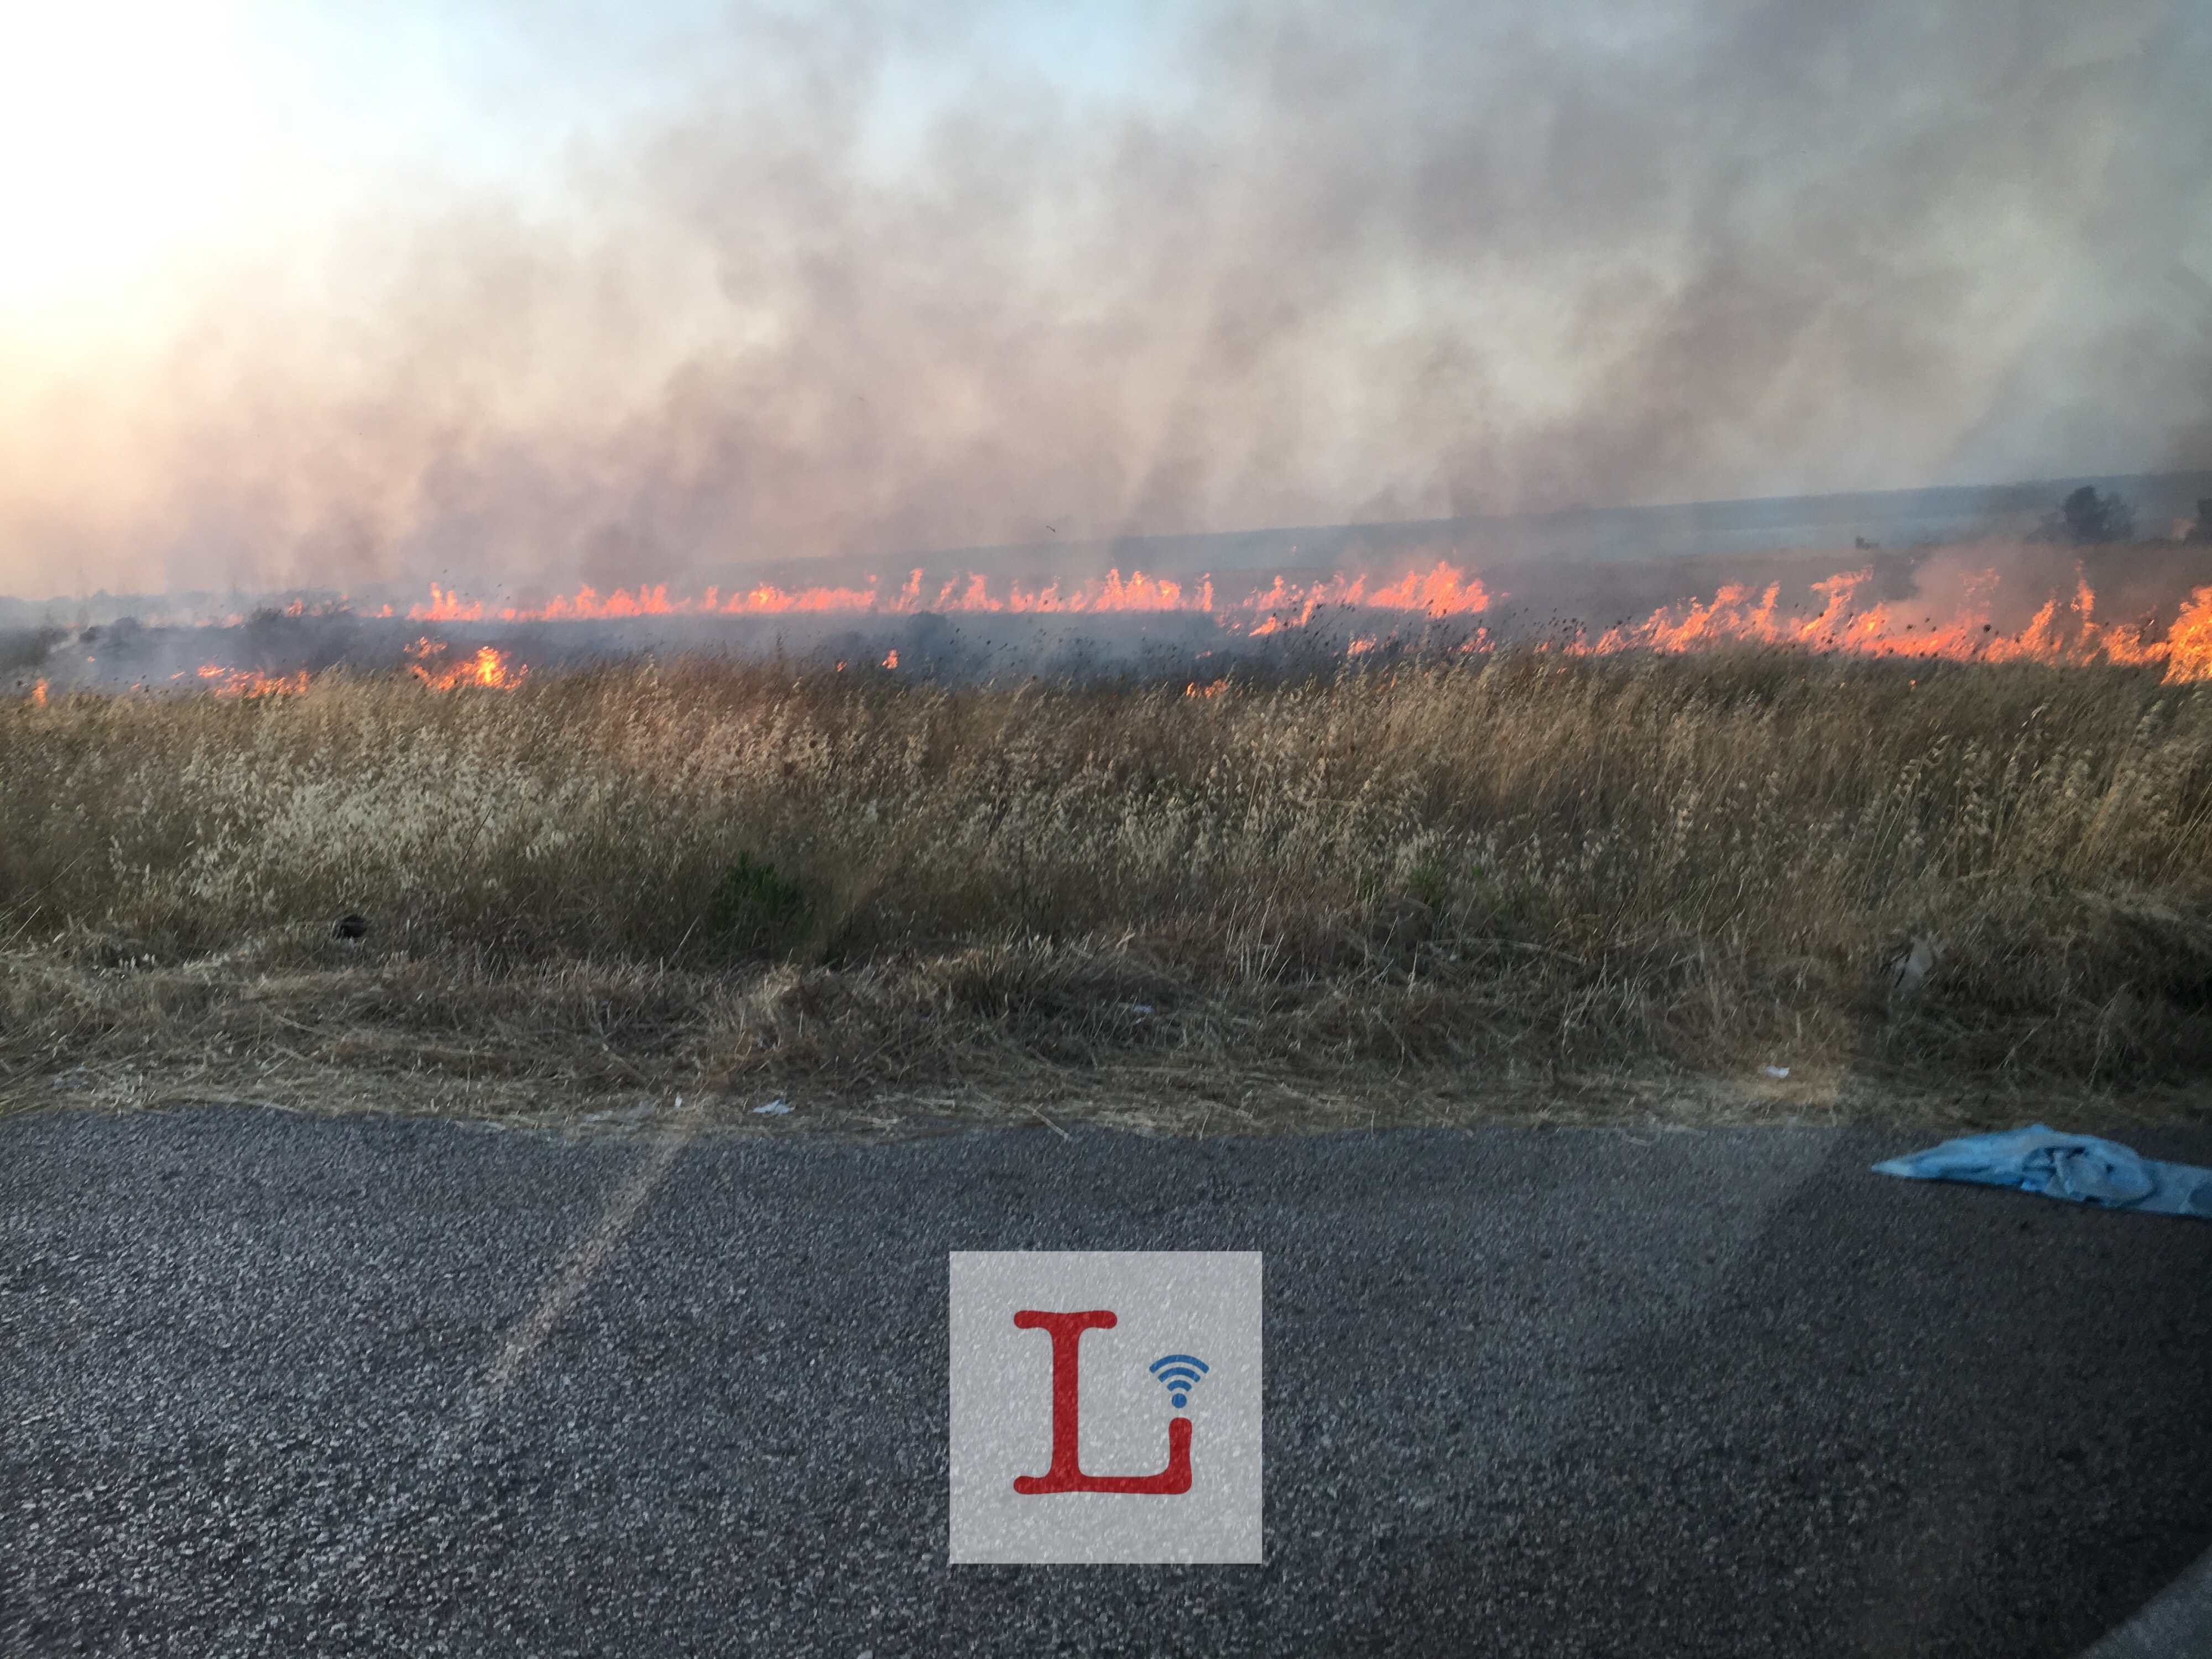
point(221, 682)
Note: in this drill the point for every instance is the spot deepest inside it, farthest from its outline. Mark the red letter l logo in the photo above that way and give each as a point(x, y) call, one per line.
point(1066, 1473)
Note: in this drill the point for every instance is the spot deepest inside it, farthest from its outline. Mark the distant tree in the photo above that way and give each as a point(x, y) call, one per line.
point(2201, 530)
point(2090, 515)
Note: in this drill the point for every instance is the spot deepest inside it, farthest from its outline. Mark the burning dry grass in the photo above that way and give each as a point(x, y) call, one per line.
point(1524, 883)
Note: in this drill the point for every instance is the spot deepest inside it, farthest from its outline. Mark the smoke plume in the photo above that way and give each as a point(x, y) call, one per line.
point(849, 285)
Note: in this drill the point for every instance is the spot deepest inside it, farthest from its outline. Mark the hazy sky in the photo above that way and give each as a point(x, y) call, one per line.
point(528, 291)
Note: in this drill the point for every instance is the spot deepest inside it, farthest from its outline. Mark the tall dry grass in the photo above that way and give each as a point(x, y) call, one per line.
point(1525, 864)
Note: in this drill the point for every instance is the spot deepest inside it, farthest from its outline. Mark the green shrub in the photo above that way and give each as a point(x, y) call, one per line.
point(754, 906)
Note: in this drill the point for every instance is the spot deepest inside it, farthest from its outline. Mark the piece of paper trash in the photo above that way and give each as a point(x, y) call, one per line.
point(1775, 1071)
point(2079, 1168)
point(776, 1107)
point(1141, 1007)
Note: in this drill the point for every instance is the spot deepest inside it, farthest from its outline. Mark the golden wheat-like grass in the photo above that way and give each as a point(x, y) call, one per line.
point(1500, 873)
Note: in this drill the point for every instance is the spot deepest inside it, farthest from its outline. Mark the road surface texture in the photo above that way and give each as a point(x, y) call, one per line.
point(290, 1385)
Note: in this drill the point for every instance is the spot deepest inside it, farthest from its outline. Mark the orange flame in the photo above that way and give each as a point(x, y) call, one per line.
point(1444, 591)
point(2189, 642)
point(1880, 629)
point(486, 667)
point(1846, 618)
point(446, 605)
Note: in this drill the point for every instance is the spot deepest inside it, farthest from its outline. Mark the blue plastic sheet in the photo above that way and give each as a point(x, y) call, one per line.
point(2080, 1169)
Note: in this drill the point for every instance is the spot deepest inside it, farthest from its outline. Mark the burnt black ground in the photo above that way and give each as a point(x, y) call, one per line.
point(1528, 1392)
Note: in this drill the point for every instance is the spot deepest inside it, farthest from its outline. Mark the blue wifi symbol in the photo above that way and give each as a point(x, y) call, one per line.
point(1181, 1372)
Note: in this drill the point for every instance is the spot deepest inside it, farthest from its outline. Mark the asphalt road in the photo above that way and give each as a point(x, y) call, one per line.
point(293, 1385)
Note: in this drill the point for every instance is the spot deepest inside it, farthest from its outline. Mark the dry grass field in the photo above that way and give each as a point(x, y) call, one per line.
point(1520, 886)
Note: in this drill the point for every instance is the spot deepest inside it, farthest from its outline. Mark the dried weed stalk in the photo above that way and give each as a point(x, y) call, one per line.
point(1523, 879)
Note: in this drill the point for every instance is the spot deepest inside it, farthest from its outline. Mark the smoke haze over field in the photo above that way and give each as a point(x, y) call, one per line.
point(494, 295)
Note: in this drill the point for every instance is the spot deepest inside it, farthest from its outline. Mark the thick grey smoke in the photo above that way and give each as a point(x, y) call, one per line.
point(1301, 265)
